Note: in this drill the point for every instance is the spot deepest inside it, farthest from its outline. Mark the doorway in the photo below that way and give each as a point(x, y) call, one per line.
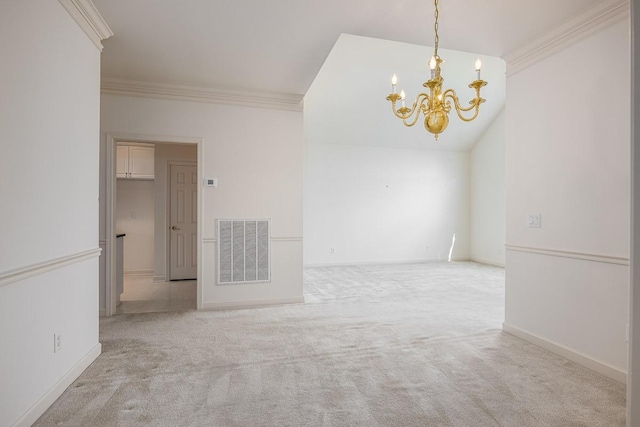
point(149, 287)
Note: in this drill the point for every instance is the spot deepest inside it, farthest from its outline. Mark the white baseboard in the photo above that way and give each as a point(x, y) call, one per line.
point(138, 272)
point(251, 303)
point(38, 408)
point(161, 278)
point(363, 263)
point(487, 262)
point(579, 358)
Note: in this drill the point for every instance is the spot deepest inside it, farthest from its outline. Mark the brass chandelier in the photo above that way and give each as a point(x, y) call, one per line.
point(436, 105)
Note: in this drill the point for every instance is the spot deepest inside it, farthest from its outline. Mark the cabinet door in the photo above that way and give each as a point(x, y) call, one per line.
point(141, 162)
point(122, 161)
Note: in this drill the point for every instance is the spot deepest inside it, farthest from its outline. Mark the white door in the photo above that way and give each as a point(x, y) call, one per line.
point(183, 222)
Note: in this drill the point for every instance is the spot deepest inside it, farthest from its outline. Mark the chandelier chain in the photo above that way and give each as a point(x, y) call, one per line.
point(436, 29)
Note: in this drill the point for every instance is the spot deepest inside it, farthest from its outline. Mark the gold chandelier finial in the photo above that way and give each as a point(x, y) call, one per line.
point(437, 104)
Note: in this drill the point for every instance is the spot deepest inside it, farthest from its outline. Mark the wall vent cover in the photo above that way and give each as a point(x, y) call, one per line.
point(244, 251)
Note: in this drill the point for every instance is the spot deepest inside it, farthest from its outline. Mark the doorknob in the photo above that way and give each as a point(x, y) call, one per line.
point(175, 228)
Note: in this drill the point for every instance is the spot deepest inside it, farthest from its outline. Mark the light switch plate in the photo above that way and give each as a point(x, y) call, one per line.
point(211, 182)
point(534, 220)
point(57, 342)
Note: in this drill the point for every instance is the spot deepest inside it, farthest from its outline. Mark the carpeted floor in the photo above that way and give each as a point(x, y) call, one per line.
point(397, 345)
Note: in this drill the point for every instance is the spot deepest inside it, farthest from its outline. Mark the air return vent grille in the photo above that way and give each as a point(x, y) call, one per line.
point(244, 251)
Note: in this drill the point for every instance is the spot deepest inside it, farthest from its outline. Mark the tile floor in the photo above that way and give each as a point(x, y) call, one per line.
point(141, 295)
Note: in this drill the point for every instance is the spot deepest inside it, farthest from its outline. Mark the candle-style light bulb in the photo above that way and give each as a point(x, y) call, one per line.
point(432, 64)
point(478, 66)
point(402, 96)
point(394, 82)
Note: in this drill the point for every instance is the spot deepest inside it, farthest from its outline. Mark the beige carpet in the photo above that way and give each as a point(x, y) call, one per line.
point(411, 345)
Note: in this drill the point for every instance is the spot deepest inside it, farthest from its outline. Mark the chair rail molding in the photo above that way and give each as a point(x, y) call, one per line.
point(86, 15)
point(591, 21)
point(585, 256)
point(286, 239)
point(273, 239)
point(22, 273)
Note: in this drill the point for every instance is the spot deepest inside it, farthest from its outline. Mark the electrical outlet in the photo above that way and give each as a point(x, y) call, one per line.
point(57, 342)
point(333, 250)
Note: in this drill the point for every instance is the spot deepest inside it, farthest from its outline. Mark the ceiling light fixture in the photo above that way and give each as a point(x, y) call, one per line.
point(436, 104)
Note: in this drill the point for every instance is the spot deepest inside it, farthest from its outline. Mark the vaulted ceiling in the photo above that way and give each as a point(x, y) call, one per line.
point(279, 46)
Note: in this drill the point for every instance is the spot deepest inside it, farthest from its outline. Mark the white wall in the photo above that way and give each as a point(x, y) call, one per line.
point(377, 204)
point(487, 195)
point(257, 156)
point(164, 153)
point(135, 211)
point(375, 190)
point(567, 158)
point(49, 122)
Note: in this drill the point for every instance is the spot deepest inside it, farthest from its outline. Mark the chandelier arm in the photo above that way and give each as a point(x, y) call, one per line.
point(400, 115)
point(475, 104)
point(417, 108)
point(414, 111)
point(454, 96)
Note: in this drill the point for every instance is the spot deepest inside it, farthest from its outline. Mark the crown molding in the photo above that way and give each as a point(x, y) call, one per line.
point(278, 101)
point(86, 15)
point(590, 22)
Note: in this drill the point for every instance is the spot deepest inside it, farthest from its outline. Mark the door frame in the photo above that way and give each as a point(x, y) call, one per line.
point(111, 141)
point(167, 216)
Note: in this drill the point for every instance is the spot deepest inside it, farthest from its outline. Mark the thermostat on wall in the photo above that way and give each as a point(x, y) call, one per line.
point(211, 182)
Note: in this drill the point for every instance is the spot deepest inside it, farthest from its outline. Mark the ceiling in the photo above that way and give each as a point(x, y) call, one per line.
point(279, 46)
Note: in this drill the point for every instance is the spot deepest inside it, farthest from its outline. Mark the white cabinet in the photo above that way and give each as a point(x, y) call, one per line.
point(135, 161)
